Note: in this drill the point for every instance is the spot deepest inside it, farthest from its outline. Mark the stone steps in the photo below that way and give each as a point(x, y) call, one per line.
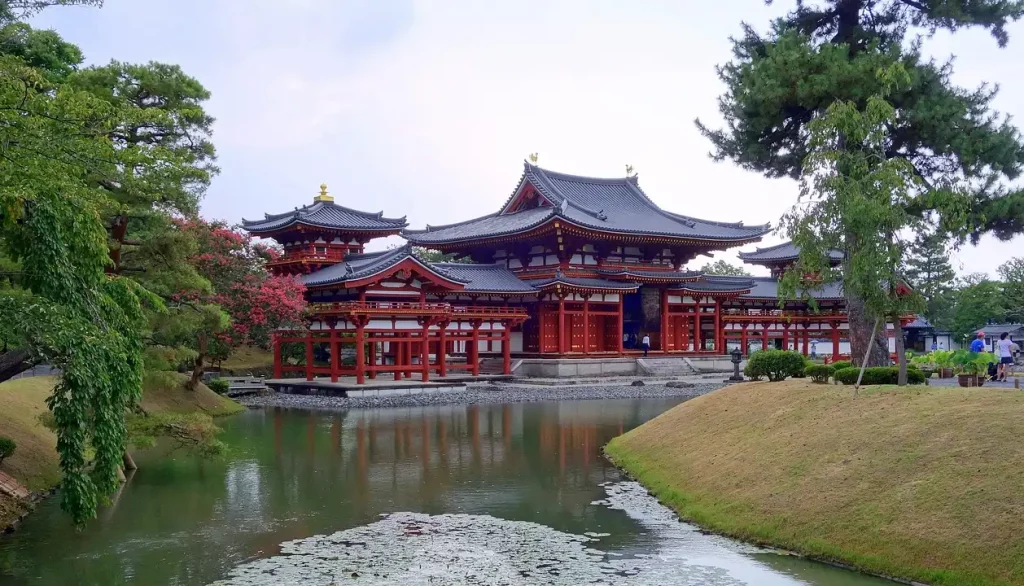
point(674, 366)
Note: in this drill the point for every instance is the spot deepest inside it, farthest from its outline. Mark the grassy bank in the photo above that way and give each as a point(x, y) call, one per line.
point(35, 463)
point(922, 483)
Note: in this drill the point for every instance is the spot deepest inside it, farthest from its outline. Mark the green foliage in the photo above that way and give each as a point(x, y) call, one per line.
point(7, 447)
point(428, 255)
point(721, 267)
point(1012, 274)
point(779, 83)
point(818, 373)
point(219, 386)
point(929, 272)
point(975, 304)
point(841, 364)
point(776, 365)
point(968, 362)
point(195, 432)
point(878, 375)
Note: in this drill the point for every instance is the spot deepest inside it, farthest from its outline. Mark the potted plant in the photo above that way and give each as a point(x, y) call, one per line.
point(924, 363)
point(943, 361)
point(971, 367)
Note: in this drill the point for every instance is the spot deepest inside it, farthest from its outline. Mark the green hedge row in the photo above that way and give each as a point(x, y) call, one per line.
point(878, 375)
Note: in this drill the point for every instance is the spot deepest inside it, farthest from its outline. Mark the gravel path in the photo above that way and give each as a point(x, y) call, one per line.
point(478, 394)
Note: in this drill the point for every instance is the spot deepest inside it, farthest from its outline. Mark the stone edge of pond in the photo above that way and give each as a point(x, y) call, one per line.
point(628, 475)
point(484, 394)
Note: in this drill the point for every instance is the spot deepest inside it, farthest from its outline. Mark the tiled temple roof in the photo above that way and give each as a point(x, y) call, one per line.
point(358, 266)
point(474, 277)
point(768, 288)
point(610, 205)
point(648, 274)
point(718, 284)
point(787, 251)
point(324, 214)
point(583, 283)
point(485, 278)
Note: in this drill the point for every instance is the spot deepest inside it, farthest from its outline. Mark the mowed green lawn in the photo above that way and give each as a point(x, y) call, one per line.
point(922, 483)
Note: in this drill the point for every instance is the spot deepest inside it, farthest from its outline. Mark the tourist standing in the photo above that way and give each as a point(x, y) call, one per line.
point(646, 342)
point(978, 345)
point(1004, 352)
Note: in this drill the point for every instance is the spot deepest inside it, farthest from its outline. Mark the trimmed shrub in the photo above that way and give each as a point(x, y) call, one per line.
point(841, 364)
point(818, 373)
point(878, 375)
point(7, 447)
point(219, 386)
point(775, 364)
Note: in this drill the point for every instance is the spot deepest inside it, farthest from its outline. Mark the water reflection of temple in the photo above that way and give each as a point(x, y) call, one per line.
point(494, 459)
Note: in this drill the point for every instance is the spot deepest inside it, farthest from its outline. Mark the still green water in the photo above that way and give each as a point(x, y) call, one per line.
point(292, 474)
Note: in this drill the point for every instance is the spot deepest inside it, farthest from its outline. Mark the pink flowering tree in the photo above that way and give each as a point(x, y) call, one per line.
point(231, 301)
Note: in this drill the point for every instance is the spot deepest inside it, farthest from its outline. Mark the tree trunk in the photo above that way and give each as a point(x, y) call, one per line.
point(15, 362)
point(901, 353)
point(197, 373)
point(197, 368)
point(861, 327)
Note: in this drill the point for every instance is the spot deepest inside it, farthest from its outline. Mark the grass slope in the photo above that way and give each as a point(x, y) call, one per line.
point(922, 483)
point(35, 463)
point(249, 360)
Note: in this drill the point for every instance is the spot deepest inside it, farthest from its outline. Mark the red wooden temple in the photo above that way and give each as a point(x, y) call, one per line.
point(568, 267)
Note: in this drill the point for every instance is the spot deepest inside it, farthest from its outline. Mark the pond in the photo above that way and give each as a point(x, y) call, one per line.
point(478, 494)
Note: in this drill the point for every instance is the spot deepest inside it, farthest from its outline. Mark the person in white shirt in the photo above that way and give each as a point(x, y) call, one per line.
point(646, 343)
point(1004, 352)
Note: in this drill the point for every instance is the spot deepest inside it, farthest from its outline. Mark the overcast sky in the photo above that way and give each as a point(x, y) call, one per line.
point(427, 109)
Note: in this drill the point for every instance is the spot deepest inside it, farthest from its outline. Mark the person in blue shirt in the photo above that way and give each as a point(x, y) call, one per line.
point(978, 345)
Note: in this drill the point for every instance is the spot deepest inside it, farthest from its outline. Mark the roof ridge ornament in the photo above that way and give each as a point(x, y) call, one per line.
point(323, 196)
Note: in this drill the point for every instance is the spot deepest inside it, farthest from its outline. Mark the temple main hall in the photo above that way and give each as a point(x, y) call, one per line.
point(568, 267)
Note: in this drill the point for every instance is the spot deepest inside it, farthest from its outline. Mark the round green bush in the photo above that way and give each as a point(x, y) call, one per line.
point(7, 447)
point(775, 364)
point(818, 373)
point(841, 364)
point(219, 386)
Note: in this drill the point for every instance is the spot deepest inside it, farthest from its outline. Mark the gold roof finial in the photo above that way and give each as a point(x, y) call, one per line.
point(534, 157)
point(323, 194)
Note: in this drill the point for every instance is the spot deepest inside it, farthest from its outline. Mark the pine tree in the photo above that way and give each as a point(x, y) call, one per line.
point(828, 51)
point(930, 273)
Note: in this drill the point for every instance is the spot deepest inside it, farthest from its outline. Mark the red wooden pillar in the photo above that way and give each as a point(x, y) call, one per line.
point(743, 339)
point(719, 331)
point(664, 320)
point(764, 340)
point(506, 348)
point(835, 341)
point(586, 324)
point(309, 355)
point(278, 366)
point(677, 332)
point(561, 325)
point(373, 358)
point(442, 348)
point(621, 329)
point(425, 352)
point(474, 350)
point(807, 340)
point(360, 354)
point(335, 355)
point(398, 359)
point(407, 352)
point(785, 336)
point(697, 343)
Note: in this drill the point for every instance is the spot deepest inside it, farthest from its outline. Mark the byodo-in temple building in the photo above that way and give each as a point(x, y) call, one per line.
point(568, 267)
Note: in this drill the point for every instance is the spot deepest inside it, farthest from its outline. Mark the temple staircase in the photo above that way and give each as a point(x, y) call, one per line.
point(664, 366)
point(497, 366)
